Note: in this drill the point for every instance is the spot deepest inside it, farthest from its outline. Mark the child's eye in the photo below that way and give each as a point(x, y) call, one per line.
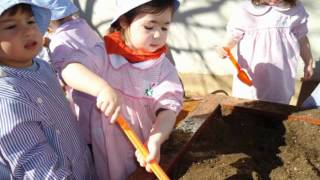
point(148, 27)
point(164, 29)
point(31, 22)
point(10, 27)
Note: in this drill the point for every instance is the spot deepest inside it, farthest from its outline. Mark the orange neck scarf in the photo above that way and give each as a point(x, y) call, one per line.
point(115, 45)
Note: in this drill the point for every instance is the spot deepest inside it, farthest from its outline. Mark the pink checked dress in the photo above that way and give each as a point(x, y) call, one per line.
point(268, 49)
point(145, 87)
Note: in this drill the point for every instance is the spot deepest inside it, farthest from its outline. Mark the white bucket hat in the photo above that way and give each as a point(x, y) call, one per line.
point(124, 6)
point(61, 8)
point(40, 13)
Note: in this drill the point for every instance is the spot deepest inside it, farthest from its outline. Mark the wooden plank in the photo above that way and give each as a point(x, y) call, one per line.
point(189, 105)
point(306, 89)
point(271, 109)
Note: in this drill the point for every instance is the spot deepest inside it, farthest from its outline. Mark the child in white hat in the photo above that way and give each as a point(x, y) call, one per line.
point(137, 68)
point(73, 41)
point(61, 11)
point(148, 83)
point(271, 37)
point(135, 65)
point(39, 137)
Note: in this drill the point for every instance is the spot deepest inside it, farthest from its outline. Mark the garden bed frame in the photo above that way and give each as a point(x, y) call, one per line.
point(197, 114)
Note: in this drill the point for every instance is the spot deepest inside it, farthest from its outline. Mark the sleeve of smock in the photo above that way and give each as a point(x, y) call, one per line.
point(59, 51)
point(92, 58)
point(299, 22)
point(168, 94)
point(24, 146)
point(235, 28)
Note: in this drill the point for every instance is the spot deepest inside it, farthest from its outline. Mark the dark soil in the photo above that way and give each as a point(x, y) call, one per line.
point(250, 146)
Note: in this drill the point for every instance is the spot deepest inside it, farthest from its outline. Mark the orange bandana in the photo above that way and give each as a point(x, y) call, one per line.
point(115, 45)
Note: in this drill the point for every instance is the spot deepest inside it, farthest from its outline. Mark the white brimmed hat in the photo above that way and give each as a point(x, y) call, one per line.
point(61, 8)
point(124, 6)
point(40, 13)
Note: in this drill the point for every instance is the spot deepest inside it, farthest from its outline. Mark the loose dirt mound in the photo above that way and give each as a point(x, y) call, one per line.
point(247, 146)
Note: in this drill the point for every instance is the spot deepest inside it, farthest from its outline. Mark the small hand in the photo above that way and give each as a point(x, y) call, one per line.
point(154, 155)
point(109, 103)
point(221, 52)
point(308, 72)
point(46, 41)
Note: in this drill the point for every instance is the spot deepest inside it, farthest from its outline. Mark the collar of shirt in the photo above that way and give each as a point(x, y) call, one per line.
point(263, 9)
point(118, 61)
point(34, 68)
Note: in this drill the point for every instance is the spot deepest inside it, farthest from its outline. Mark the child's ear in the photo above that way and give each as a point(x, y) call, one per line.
point(54, 24)
point(123, 22)
point(50, 30)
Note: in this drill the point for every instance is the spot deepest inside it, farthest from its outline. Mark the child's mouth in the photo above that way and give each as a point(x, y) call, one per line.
point(31, 45)
point(154, 46)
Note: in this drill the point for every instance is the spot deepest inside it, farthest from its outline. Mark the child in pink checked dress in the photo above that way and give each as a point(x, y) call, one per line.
point(271, 36)
point(148, 83)
point(72, 42)
point(136, 67)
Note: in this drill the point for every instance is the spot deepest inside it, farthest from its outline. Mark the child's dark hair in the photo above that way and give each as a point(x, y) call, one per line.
point(260, 2)
point(24, 8)
point(152, 7)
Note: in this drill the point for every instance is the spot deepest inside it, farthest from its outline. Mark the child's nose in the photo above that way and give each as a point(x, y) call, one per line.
point(28, 30)
point(156, 34)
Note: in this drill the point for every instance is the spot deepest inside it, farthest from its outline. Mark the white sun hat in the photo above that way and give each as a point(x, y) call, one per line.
point(124, 6)
point(61, 8)
point(39, 11)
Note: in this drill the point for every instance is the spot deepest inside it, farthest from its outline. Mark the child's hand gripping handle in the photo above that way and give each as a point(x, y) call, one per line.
point(156, 169)
point(233, 60)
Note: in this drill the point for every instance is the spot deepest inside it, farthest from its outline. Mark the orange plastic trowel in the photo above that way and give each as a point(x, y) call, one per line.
point(155, 167)
point(242, 75)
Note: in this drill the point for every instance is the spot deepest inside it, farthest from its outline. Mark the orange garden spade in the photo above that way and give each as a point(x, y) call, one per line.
point(242, 75)
point(155, 167)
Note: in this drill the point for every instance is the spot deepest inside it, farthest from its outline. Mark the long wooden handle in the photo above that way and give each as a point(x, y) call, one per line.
point(155, 167)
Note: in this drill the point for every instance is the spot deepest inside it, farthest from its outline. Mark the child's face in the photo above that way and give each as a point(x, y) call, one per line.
point(20, 39)
point(148, 32)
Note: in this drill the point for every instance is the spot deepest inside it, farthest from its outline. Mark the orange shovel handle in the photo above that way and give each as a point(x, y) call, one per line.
point(233, 60)
point(155, 167)
point(242, 75)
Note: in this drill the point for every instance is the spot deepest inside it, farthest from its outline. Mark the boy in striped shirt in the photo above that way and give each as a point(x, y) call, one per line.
point(39, 136)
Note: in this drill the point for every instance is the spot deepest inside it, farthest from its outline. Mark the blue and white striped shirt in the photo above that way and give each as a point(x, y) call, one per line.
point(39, 136)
